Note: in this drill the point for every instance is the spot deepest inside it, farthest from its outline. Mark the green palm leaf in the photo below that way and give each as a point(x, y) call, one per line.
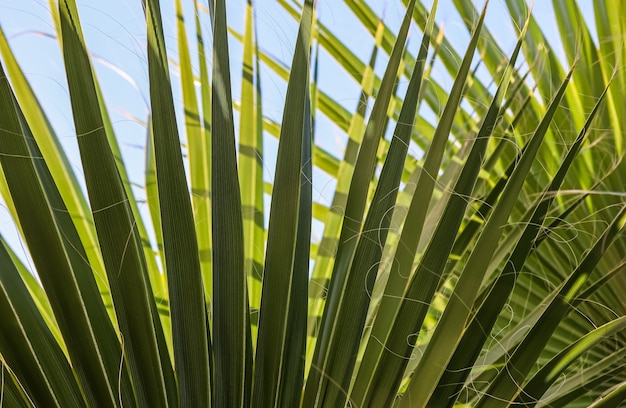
point(455, 238)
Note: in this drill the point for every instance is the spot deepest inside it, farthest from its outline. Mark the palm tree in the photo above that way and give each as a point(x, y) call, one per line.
point(470, 256)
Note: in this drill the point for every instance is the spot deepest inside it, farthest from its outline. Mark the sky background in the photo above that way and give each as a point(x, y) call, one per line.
point(115, 35)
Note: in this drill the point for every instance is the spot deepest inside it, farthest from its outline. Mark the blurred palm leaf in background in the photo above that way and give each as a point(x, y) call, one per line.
point(472, 251)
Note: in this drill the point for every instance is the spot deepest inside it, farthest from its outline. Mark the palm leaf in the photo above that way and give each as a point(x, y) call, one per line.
point(471, 252)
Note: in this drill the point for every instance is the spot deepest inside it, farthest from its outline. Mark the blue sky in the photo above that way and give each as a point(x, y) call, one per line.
point(115, 34)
